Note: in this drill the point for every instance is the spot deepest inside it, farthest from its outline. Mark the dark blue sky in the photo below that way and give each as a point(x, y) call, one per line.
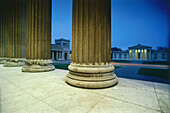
point(133, 21)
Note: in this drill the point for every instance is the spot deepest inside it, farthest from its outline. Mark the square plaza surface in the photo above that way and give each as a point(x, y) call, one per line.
point(47, 92)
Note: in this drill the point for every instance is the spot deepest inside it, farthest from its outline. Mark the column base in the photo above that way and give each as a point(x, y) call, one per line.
point(38, 66)
point(14, 62)
point(2, 60)
point(91, 76)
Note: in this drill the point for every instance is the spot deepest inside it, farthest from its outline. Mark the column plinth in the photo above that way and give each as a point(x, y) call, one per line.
point(91, 45)
point(91, 76)
point(14, 62)
point(2, 60)
point(38, 66)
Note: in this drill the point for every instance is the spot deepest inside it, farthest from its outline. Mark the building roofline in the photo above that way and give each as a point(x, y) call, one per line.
point(139, 46)
point(62, 39)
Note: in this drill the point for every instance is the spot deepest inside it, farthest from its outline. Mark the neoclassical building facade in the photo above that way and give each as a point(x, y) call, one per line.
point(25, 39)
point(60, 50)
point(141, 53)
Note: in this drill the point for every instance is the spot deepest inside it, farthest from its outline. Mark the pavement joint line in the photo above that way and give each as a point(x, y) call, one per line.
point(95, 104)
point(125, 101)
point(134, 103)
point(157, 98)
point(51, 106)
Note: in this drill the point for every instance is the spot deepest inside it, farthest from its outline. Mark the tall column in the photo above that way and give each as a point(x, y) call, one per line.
point(38, 36)
point(3, 30)
point(16, 34)
point(146, 54)
point(52, 55)
point(91, 44)
point(62, 55)
point(143, 55)
point(134, 55)
point(57, 55)
point(150, 58)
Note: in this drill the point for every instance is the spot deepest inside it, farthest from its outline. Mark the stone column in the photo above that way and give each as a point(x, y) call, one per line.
point(52, 55)
point(56, 55)
point(38, 36)
point(63, 55)
point(91, 44)
point(16, 33)
point(134, 55)
point(146, 54)
point(3, 30)
point(130, 54)
point(143, 54)
point(150, 58)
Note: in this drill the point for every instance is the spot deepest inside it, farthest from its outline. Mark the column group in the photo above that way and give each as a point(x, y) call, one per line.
point(91, 44)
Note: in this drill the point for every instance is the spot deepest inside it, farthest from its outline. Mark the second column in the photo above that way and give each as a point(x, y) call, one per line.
point(38, 36)
point(91, 45)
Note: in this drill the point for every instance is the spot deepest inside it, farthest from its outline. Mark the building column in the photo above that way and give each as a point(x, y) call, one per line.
point(52, 55)
point(134, 54)
point(91, 43)
point(57, 55)
point(63, 55)
point(16, 34)
point(60, 54)
point(137, 54)
point(143, 54)
point(130, 54)
point(150, 58)
point(146, 54)
point(38, 36)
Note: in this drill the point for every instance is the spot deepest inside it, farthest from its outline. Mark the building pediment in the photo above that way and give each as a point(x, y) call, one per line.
point(139, 47)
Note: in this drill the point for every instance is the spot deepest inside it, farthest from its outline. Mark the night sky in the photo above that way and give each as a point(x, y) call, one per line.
point(133, 21)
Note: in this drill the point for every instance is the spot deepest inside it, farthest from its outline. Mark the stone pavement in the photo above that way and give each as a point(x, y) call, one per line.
point(47, 92)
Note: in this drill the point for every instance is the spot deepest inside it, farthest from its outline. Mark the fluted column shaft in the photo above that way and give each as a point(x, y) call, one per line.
point(91, 31)
point(16, 33)
point(38, 35)
point(91, 45)
point(3, 31)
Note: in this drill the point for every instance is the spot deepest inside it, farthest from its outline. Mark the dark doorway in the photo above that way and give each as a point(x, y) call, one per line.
point(138, 55)
point(65, 56)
